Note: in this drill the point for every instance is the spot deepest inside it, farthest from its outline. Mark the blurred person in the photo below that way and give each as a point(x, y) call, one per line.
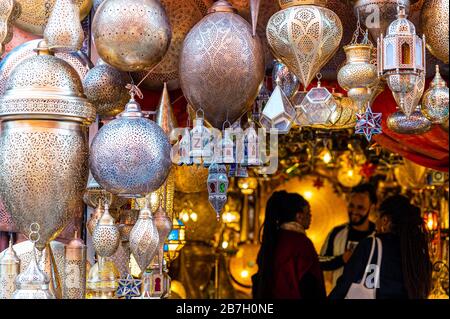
point(288, 264)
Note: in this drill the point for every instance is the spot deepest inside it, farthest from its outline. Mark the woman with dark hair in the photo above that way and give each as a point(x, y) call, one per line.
point(405, 270)
point(288, 265)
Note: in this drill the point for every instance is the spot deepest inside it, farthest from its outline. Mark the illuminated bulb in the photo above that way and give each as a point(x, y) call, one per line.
point(225, 245)
point(326, 158)
point(245, 185)
point(185, 217)
point(154, 199)
point(350, 173)
point(244, 273)
point(308, 195)
point(194, 216)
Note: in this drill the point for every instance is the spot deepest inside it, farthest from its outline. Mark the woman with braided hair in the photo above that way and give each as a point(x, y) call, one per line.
point(405, 269)
point(288, 264)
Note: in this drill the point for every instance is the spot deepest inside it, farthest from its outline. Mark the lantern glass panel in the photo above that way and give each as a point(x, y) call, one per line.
point(390, 56)
point(418, 54)
point(406, 54)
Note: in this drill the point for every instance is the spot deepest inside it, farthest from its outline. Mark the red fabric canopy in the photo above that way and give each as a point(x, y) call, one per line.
point(429, 149)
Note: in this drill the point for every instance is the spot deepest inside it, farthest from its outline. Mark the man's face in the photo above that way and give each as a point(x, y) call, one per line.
point(304, 218)
point(358, 208)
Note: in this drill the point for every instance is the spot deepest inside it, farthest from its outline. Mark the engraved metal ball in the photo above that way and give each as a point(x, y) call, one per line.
point(130, 156)
point(104, 87)
point(131, 35)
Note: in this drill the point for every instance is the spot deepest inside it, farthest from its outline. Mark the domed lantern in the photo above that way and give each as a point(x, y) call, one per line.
point(43, 145)
point(401, 55)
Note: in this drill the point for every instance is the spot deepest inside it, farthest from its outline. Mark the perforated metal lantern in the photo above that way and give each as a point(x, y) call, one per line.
point(78, 60)
point(416, 123)
point(285, 79)
point(43, 145)
point(131, 35)
point(104, 87)
point(63, 31)
point(106, 235)
point(221, 65)
point(304, 36)
point(9, 12)
point(144, 239)
point(435, 100)
point(130, 156)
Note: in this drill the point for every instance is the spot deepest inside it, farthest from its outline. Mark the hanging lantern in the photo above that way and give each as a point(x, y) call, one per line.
point(401, 55)
point(46, 93)
point(104, 87)
point(227, 147)
point(349, 176)
point(77, 60)
point(131, 35)
point(200, 141)
point(278, 113)
point(377, 15)
point(93, 220)
point(185, 148)
point(9, 270)
point(128, 219)
point(164, 225)
point(106, 236)
point(32, 283)
point(183, 15)
point(9, 12)
point(221, 79)
point(435, 100)
point(304, 36)
point(412, 98)
point(144, 239)
point(285, 79)
point(217, 187)
point(251, 146)
point(318, 105)
point(175, 241)
point(35, 14)
point(434, 20)
point(358, 73)
point(74, 269)
point(416, 123)
point(130, 156)
point(63, 31)
point(410, 175)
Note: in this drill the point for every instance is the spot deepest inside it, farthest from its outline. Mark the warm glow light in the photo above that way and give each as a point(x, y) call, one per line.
point(184, 216)
point(193, 216)
point(308, 195)
point(326, 158)
point(225, 245)
point(154, 199)
point(244, 185)
point(244, 273)
point(350, 173)
point(228, 217)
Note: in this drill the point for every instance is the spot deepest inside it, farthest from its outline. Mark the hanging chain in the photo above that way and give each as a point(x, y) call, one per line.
point(360, 31)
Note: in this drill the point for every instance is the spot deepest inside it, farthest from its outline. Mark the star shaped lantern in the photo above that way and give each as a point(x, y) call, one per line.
point(129, 287)
point(368, 123)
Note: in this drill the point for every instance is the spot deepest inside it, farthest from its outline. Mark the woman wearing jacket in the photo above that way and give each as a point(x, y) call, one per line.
point(288, 264)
